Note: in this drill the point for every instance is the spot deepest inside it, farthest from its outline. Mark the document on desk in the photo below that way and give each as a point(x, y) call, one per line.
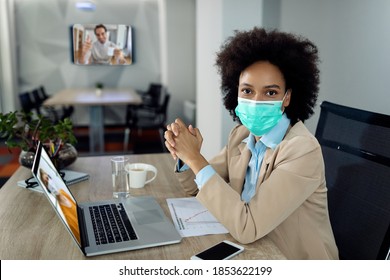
point(71, 177)
point(191, 218)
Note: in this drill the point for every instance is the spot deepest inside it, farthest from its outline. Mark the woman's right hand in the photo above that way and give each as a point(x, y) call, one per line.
point(173, 131)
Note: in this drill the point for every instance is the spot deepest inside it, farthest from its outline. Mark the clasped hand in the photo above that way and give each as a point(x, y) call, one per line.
point(185, 143)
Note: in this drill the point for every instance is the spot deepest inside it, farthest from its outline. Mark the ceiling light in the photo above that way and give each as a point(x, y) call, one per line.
point(86, 5)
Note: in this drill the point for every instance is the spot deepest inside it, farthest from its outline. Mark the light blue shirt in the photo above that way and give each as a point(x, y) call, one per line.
point(257, 149)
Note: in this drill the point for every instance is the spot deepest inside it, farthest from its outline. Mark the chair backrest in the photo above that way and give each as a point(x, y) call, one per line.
point(356, 149)
point(38, 97)
point(157, 115)
point(154, 95)
point(26, 102)
point(42, 92)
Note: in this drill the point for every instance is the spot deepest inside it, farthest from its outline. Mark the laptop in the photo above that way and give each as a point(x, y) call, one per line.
point(106, 226)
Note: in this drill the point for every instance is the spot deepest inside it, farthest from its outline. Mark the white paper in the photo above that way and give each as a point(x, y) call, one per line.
point(191, 218)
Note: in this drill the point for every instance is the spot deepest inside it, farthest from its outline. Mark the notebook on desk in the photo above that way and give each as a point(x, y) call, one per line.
point(106, 226)
point(70, 177)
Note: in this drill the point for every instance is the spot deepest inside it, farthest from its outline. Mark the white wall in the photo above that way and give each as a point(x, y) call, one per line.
point(208, 40)
point(353, 37)
point(178, 59)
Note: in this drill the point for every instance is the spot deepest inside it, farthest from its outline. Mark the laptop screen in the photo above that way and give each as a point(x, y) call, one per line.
point(56, 191)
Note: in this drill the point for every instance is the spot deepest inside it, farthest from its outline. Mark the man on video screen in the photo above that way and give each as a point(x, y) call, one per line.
point(102, 51)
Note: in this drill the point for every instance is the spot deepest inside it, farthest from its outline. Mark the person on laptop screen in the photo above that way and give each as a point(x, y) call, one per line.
point(65, 202)
point(270, 178)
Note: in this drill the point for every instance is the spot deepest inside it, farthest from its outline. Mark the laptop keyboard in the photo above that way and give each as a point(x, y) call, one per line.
point(111, 224)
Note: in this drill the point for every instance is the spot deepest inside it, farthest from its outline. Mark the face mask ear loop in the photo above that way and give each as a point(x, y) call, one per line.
point(285, 94)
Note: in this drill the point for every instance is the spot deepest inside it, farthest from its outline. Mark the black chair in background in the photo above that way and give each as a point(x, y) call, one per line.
point(31, 104)
point(147, 117)
point(53, 113)
point(356, 149)
point(153, 97)
point(67, 111)
point(39, 99)
point(27, 103)
point(148, 112)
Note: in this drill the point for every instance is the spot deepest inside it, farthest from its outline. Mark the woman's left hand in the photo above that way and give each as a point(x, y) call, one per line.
point(188, 141)
point(186, 144)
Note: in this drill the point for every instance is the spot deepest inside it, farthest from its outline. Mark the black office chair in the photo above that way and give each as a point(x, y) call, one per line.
point(147, 117)
point(152, 97)
point(39, 99)
point(49, 112)
point(67, 111)
point(356, 149)
point(27, 103)
point(53, 113)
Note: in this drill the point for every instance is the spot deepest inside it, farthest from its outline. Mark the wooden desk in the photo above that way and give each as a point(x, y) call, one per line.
point(30, 229)
point(95, 102)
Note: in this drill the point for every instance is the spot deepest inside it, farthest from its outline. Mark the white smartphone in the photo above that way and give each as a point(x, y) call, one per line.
point(222, 251)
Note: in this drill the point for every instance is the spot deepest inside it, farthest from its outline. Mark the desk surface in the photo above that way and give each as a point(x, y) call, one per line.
point(88, 96)
point(30, 229)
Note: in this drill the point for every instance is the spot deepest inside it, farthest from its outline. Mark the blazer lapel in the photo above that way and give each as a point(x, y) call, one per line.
point(266, 167)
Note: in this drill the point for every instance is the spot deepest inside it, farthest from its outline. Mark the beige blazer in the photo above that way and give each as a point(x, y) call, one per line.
point(290, 204)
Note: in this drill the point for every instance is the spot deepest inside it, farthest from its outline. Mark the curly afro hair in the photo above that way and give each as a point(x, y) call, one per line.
point(296, 58)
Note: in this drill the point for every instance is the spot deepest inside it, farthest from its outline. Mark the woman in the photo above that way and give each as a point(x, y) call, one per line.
point(65, 201)
point(269, 179)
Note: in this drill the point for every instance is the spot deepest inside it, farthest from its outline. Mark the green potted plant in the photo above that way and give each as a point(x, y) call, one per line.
point(99, 88)
point(22, 130)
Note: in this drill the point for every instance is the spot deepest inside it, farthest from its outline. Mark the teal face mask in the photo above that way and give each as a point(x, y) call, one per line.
point(259, 117)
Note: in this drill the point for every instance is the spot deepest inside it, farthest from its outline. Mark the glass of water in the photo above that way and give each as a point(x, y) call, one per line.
point(120, 182)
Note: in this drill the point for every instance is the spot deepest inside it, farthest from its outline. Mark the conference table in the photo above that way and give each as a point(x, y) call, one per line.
point(95, 99)
point(30, 229)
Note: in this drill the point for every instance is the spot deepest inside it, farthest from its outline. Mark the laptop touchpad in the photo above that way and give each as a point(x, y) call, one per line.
point(145, 217)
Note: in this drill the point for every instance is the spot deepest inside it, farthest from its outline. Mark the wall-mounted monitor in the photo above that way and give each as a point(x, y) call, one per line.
point(102, 44)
